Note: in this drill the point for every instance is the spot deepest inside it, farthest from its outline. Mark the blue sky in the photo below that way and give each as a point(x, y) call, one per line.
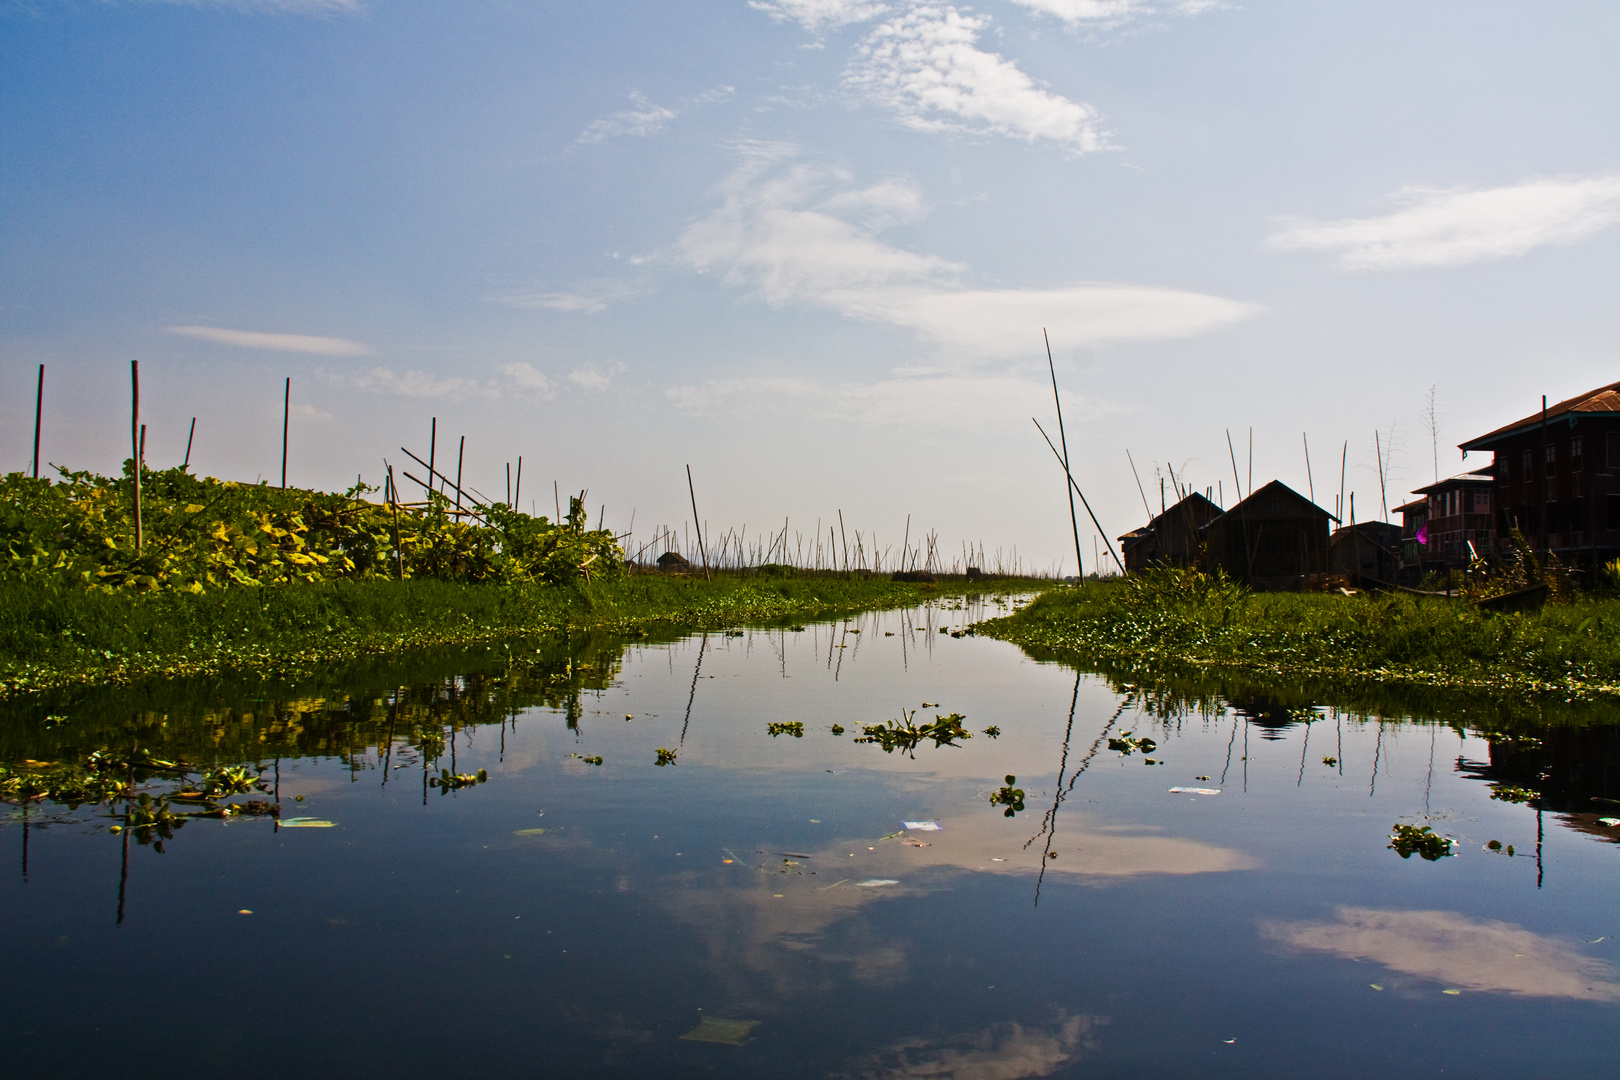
point(807, 246)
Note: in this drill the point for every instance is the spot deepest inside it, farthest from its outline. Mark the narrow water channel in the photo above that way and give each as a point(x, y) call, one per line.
point(787, 903)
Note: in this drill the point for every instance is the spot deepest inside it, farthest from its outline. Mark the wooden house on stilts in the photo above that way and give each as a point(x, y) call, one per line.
point(1171, 539)
point(1274, 540)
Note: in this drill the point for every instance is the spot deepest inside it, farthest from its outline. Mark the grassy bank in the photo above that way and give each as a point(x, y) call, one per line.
point(56, 634)
point(1172, 621)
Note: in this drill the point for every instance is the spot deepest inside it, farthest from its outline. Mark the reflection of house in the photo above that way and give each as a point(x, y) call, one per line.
point(1557, 476)
point(1172, 538)
point(1368, 552)
point(1459, 513)
point(1273, 539)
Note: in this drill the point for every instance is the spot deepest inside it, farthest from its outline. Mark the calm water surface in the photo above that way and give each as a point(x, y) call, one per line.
point(764, 894)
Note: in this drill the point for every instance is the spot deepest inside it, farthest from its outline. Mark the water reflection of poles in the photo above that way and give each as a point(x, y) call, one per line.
point(1245, 755)
point(1304, 748)
point(1236, 719)
point(1049, 822)
point(1540, 870)
point(1378, 752)
point(1338, 728)
point(25, 823)
point(692, 696)
point(388, 754)
point(1428, 781)
point(123, 869)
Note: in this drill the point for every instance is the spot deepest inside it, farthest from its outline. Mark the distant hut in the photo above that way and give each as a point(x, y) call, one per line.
point(1368, 553)
point(1414, 540)
point(1459, 515)
point(673, 562)
point(1274, 540)
point(1171, 539)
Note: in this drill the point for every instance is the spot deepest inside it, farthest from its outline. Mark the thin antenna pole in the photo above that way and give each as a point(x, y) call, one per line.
point(702, 548)
point(517, 486)
point(1308, 477)
point(1344, 456)
point(286, 413)
point(1237, 481)
point(1139, 490)
point(1074, 521)
point(509, 485)
point(1383, 499)
point(135, 443)
point(189, 436)
point(460, 455)
point(39, 408)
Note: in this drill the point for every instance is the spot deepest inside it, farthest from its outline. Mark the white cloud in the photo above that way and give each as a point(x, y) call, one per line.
point(1456, 951)
point(642, 119)
point(520, 378)
point(1440, 227)
point(818, 15)
point(924, 67)
point(590, 377)
point(553, 301)
point(291, 7)
point(778, 233)
point(959, 402)
point(1113, 12)
point(253, 339)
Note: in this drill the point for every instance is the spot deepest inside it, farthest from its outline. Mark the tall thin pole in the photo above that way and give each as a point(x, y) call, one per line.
point(1074, 521)
point(517, 488)
point(1344, 456)
point(1308, 477)
point(1139, 490)
point(189, 436)
point(286, 412)
point(1237, 481)
point(135, 443)
point(697, 523)
point(39, 407)
point(845, 535)
point(460, 453)
point(1383, 499)
point(905, 544)
point(1251, 459)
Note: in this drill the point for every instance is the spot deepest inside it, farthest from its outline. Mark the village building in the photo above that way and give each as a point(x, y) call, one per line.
point(1275, 540)
point(1171, 539)
point(1556, 477)
point(1368, 553)
point(1414, 540)
point(1460, 524)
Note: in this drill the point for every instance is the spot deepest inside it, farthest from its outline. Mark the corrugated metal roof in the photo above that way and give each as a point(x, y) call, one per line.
point(1605, 399)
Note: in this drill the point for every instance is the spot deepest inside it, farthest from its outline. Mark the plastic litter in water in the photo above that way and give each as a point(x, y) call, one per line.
point(718, 1029)
point(923, 826)
point(527, 832)
point(872, 883)
point(1195, 791)
point(307, 823)
point(1611, 822)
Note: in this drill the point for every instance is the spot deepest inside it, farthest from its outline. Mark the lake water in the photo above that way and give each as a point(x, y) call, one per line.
point(760, 907)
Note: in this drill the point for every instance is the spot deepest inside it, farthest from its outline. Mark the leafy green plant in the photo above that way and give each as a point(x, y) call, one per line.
point(794, 728)
point(448, 781)
point(665, 757)
point(1124, 744)
point(1010, 797)
point(1409, 840)
point(1510, 794)
point(907, 735)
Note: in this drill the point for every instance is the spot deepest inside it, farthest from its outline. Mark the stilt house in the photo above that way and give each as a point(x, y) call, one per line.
point(1274, 540)
point(1557, 476)
point(1368, 552)
point(1171, 539)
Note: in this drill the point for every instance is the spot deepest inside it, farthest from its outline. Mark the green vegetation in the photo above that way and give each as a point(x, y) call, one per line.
point(253, 578)
point(1409, 840)
point(1147, 626)
point(907, 735)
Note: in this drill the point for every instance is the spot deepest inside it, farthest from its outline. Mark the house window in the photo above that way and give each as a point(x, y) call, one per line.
point(1526, 468)
point(1482, 502)
point(1574, 453)
point(1552, 460)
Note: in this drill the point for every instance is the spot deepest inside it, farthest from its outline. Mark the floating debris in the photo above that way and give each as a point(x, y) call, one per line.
point(794, 728)
point(1010, 797)
point(921, 826)
point(1195, 791)
point(307, 823)
point(1610, 822)
point(906, 735)
point(993, 732)
point(528, 832)
point(718, 1029)
point(595, 759)
point(665, 757)
point(875, 883)
point(1409, 840)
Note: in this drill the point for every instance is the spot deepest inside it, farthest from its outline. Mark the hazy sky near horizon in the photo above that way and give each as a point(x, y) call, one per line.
point(807, 246)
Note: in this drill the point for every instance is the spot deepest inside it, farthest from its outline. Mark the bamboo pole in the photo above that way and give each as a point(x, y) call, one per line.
point(286, 413)
point(1074, 522)
point(1082, 494)
point(39, 408)
point(461, 453)
point(393, 504)
point(517, 488)
point(433, 446)
point(692, 491)
point(1304, 438)
point(135, 443)
point(189, 436)
point(1139, 490)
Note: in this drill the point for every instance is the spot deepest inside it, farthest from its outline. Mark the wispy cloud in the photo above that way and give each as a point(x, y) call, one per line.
point(290, 7)
point(1454, 227)
point(960, 402)
point(924, 66)
point(645, 118)
point(818, 15)
point(552, 301)
point(783, 233)
point(254, 339)
point(592, 377)
point(1452, 949)
point(520, 379)
point(1106, 13)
